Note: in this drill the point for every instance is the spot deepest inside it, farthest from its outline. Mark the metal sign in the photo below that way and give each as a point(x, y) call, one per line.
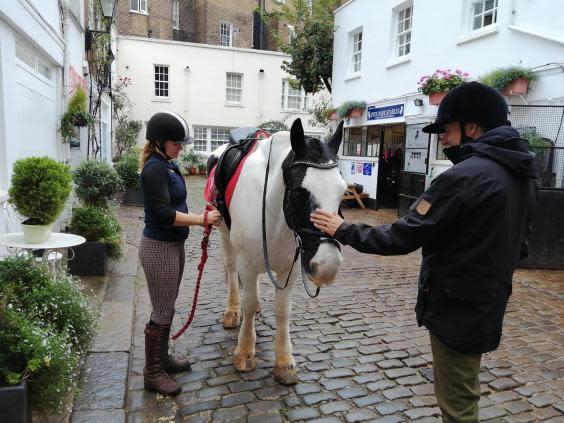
point(386, 112)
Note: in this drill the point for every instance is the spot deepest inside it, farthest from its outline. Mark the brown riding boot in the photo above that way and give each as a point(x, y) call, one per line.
point(156, 379)
point(172, 364)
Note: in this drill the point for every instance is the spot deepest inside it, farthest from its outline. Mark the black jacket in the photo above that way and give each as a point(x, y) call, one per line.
point(472, 224)
point(164, 193)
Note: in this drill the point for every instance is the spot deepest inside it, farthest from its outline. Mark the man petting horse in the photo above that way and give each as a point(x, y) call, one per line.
point(472, 223)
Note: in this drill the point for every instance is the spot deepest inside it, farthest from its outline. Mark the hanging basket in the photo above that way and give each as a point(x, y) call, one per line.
point(436, 98)
point(518, 86)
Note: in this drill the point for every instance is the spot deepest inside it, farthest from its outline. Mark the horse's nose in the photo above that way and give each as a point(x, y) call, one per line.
point(325, 264)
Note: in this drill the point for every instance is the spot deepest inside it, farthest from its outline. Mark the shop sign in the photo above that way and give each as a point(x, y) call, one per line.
point(385, 112)
point(367, 169)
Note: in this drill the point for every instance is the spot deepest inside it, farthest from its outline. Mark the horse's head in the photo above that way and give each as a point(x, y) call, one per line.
point(312, 181)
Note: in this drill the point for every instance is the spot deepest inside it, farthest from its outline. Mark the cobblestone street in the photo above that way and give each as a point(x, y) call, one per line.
point(361, 356)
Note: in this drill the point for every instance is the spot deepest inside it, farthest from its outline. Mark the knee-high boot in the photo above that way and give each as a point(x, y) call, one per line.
point(172, 364)
point(155, 377)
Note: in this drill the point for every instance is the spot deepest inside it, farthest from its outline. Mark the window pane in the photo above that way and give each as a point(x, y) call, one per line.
point(488, 19)
point(489, 4)
point(134, 4)
point(200, 138)
point(477, 22)
point(219, 136)
point(43, 68)
point(478, 8)
point(25, 54)
point(143, 4)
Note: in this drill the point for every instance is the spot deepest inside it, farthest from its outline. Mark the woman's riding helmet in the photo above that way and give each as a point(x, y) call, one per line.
point(168, 126)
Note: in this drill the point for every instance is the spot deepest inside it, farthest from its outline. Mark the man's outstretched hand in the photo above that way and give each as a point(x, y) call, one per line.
point(326, 222)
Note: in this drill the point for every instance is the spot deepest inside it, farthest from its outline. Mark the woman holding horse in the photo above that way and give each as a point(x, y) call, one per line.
point(161, 251)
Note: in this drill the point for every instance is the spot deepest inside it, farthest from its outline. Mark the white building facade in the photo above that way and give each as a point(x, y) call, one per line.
point(382, 49)
point(214, 88)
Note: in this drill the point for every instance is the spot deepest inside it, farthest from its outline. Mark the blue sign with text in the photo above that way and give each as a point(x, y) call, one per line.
point(367, 169)
point(386, 112)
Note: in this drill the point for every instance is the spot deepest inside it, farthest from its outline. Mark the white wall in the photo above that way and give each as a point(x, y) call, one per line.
point(528, 33)
point(198, 94)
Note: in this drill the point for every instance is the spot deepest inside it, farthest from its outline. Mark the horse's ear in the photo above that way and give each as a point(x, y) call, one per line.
point(297, 138)
point(335, 141)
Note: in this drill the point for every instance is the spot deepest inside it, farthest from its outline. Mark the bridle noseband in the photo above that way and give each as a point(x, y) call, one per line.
point(297, 231)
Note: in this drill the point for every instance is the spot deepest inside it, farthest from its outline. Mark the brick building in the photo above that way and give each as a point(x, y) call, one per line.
point(217, 22)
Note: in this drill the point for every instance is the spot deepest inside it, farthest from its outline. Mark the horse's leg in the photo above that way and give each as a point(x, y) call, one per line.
point(285, 370)
point(244, 356)
point(232, 314)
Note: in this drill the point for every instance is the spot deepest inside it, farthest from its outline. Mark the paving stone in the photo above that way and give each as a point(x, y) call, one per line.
point(516, 407)
point(360, 415)
point(417, 413)
point(380, 385)
point(390, 407)
point(505, 396)
point(423, 401)
point(396, 393)
point(222, 380)
point(248, 385)
point(493, 412)
point(389, 364)
point(395, 418)
point(334, 407)
point(265, 418)
point(216, 391)
point(542, 400)
point(337, 373)
point(545, 413)
point(271, 392)
point(99, 416)
point(312, 399)
point(197, 408)
point(367, 400)
point(264, 407)
point(398, 373)
point(237, 399)
point(503, 384)
point(302, 413)
point(230, 414)
point(352, 392)
point(307, 388)
point(332, 384)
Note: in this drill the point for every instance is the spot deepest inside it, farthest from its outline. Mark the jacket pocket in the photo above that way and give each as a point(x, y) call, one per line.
point(471, 291)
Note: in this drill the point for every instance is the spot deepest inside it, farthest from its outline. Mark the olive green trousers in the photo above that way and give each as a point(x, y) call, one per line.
point(456, 381)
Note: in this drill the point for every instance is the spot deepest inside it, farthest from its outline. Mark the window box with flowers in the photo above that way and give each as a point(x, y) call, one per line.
point(437, 85)
point(509, 80)
point(330, 114)
point(351, 109)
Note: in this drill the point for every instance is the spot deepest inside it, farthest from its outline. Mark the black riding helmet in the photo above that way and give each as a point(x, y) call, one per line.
point(168, 126)
point(471, 102)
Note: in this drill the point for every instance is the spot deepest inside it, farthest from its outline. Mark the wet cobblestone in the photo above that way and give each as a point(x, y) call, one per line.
point(361, 356)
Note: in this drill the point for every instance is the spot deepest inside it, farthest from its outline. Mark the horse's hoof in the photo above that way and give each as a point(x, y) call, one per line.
point(231, 320)
point(244, 364)
point(286, 375)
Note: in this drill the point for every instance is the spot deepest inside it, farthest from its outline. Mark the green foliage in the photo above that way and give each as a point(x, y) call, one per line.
point(345, 109)
point(273, 126)
point(40, 188)
point(45, 326)
point(311, 49)
point(96, 182)
point(98, 225)
point(191, 159)
point(441, 80)
point(78, 102)
point(76, 115)
point(500, 78)
point(327, 113)
point(126, 134)
point(127, 168)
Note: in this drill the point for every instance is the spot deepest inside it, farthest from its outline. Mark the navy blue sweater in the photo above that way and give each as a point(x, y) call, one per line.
point(164, 193)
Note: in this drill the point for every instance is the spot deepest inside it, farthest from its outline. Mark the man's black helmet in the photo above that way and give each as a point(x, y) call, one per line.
point(168, 126)
point(471, 102)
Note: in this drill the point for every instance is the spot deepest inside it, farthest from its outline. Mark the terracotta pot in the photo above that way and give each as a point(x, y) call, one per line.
point(518, 86)
point(356, 113)
point(436, 98)
point(192, 170)
point(333, 116)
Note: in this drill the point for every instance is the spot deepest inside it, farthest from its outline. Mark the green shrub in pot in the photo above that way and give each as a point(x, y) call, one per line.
point(128, 170)
point(96, 183)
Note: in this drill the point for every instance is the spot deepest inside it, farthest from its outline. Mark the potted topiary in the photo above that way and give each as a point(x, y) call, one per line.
point(97, 183)
point(127, 168)
point(352, 109)
point(77, 115)
point(46, 326)
point(39, 189)
point(202, 168)
point(509, 80)
point(103, 235)
point(437, 85)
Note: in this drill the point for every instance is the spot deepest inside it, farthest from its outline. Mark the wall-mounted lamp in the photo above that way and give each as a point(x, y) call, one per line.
point(418, 102)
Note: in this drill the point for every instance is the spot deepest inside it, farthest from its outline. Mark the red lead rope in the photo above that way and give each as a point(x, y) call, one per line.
point(204, 245)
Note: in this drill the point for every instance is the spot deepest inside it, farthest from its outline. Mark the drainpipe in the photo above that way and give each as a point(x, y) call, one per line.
point(186, 81)
point(260, 95)
point(66, 61)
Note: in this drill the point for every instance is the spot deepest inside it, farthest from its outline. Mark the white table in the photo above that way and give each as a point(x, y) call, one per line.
point(15, 244)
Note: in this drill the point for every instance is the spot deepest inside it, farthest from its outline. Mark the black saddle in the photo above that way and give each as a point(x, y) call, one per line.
point(227, 164)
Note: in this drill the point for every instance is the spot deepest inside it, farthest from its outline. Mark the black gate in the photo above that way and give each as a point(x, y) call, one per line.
point(542, 126)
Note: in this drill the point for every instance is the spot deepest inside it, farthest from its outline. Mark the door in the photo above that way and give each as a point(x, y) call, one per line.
point(389, 165)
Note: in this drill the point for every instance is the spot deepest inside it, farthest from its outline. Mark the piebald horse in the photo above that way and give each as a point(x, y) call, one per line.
point(302, 176)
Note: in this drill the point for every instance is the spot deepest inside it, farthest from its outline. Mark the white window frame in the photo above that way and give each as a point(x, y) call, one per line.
point(403, 30)
point(36, 64)
point(201, 136)
point(158, 72)
point(223, 35)
point(216, 142)
point(493, 12)
point(208, 135)
point(231, 90)
point(286, 95)
point(141, 6)
point(355, 41)
point(175, 14)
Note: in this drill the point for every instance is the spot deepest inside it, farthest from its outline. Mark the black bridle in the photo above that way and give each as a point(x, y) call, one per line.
point(297, 231)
